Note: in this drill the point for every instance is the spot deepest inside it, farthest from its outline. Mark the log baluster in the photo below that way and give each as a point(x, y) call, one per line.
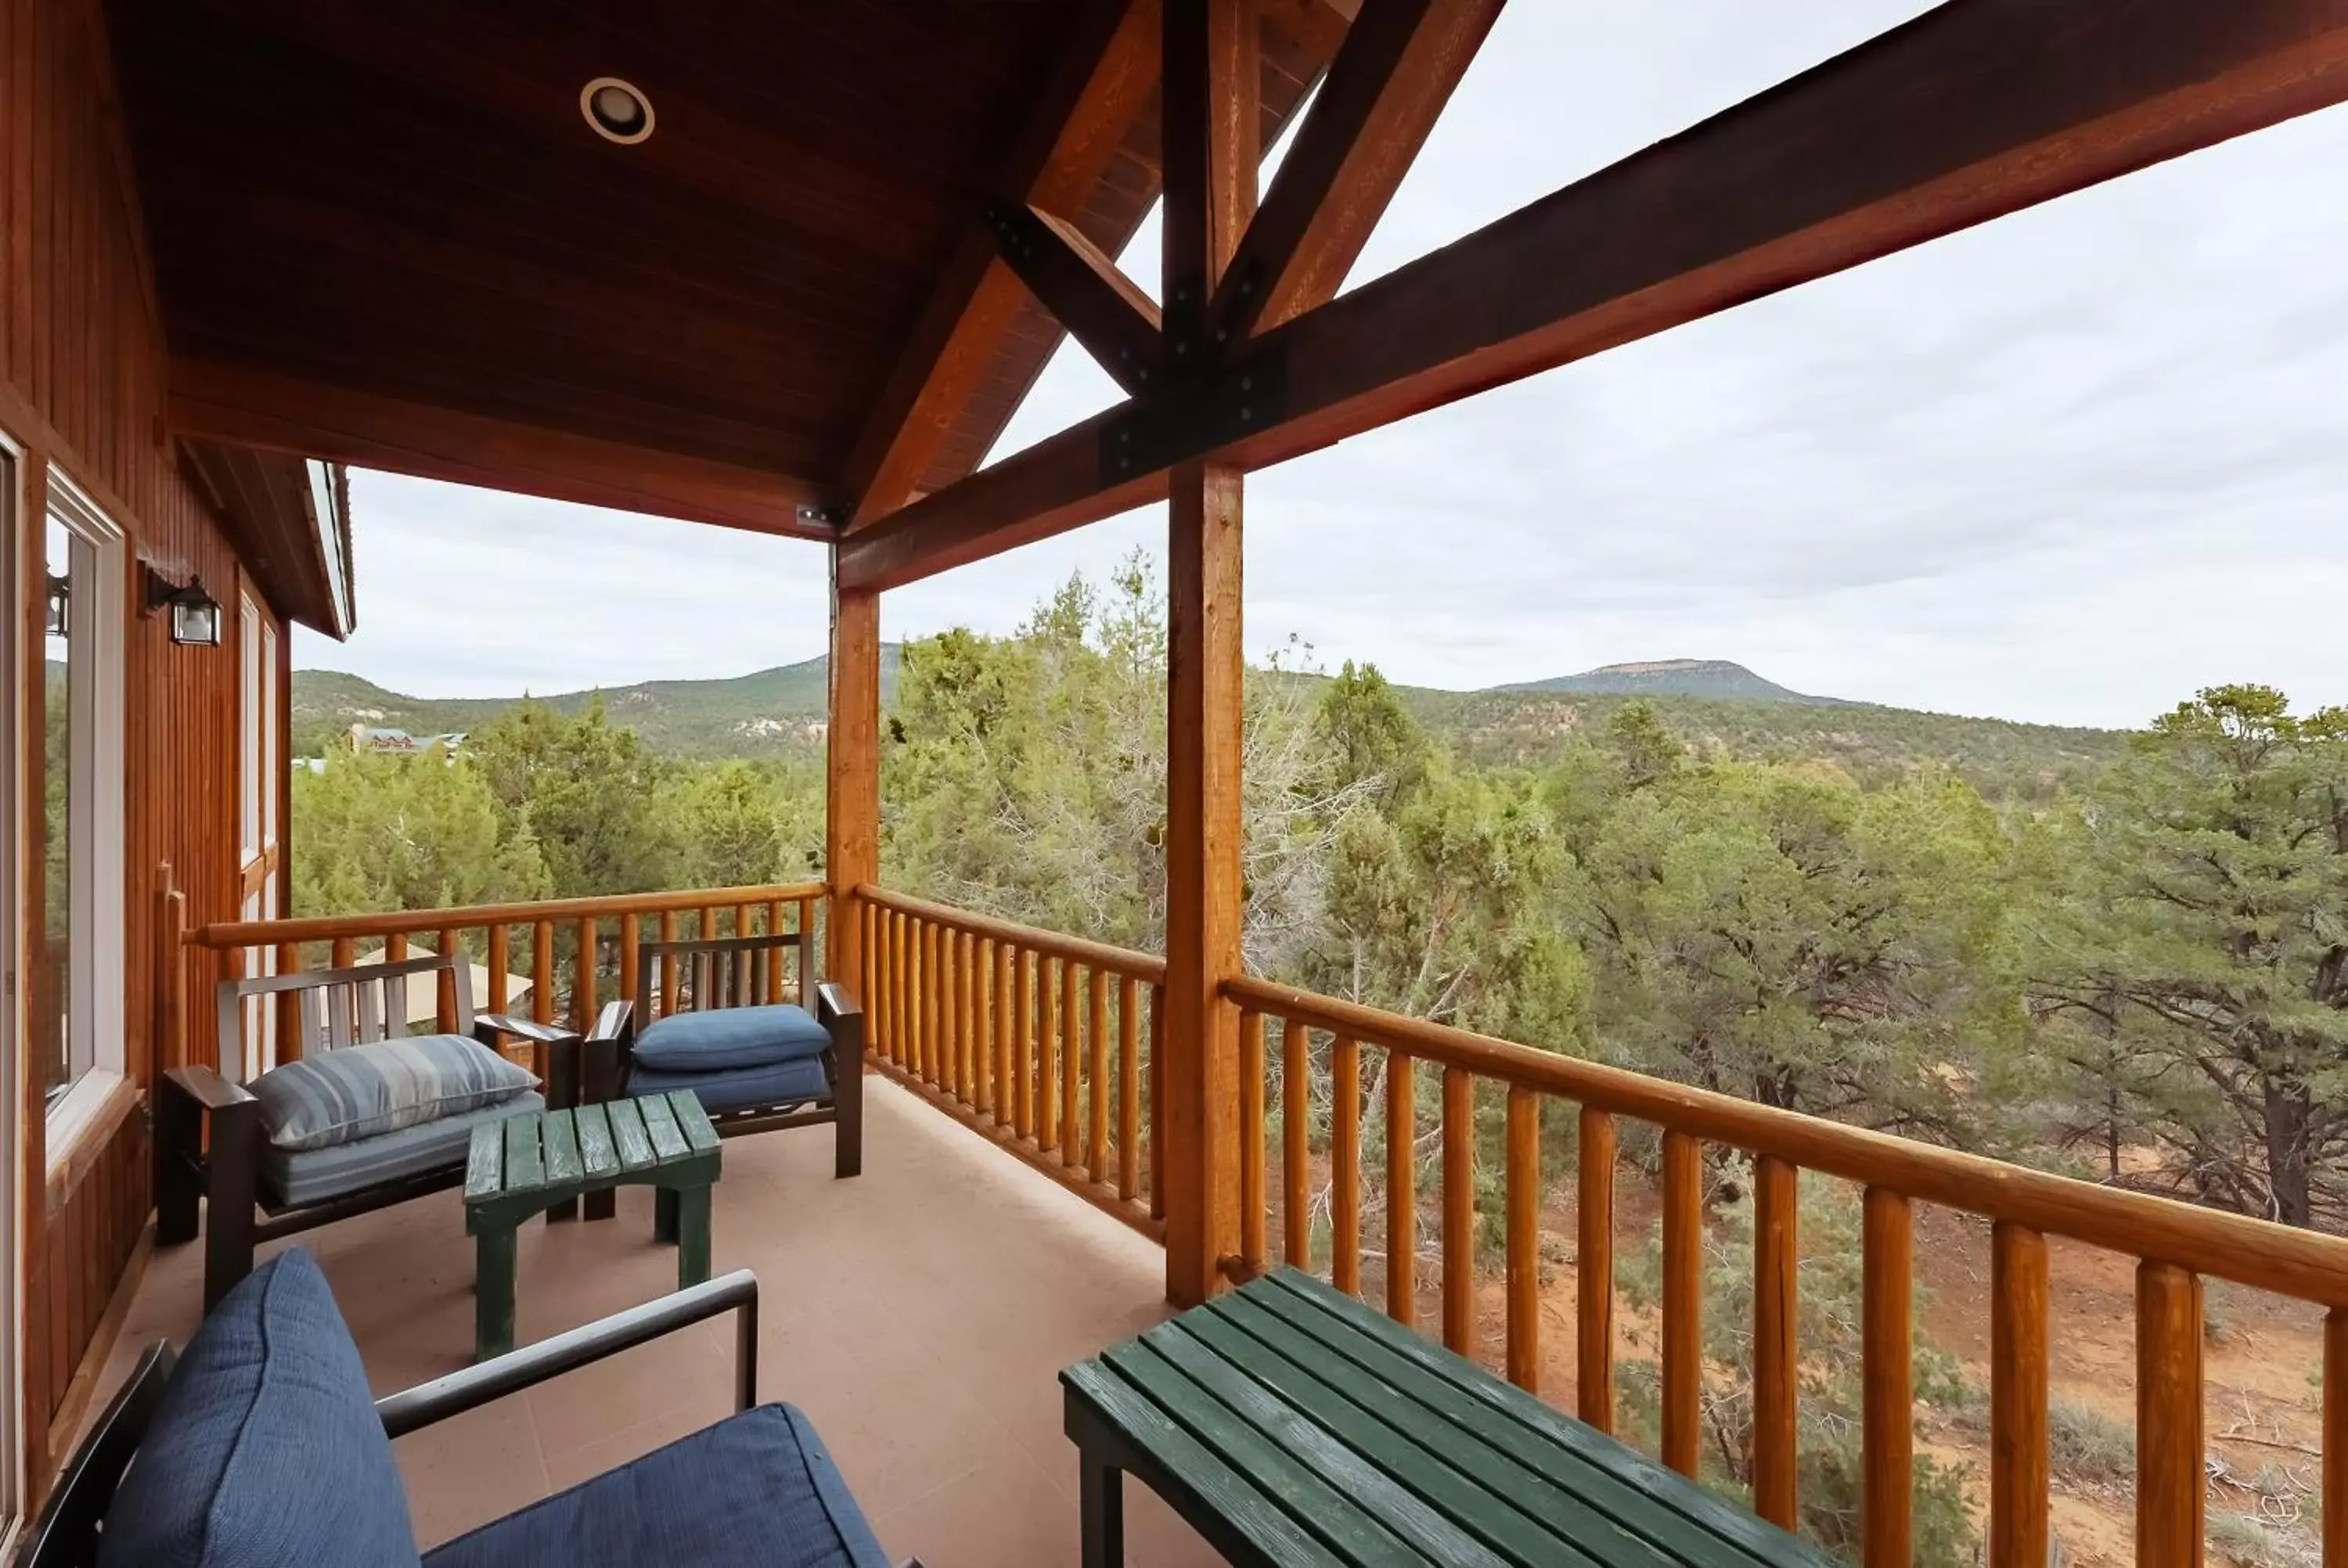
point(669, 982)
point(1401, 1188)
point(444, 984)
point(1345, 1165)
point(584, 990)
point(1157, 1076)
point(1128, 1088)
point(1459, 1210)
point(1523, 1201)
point(968, 1053)
point(1097, 1073)
point(1024, 1016)
point(632, 935)
point(1593, 1290)
point(1888, 1417)
point(541, 971)
point(1683, 1334)
point(2017, 1397)
point(1295, 1145)
point(2169, 1482)
point(1072, 1056)
point(501, 959)
point(1776, 1356)
point(808, 961)
point(289, 1006)
point(2335, 1440)
point(1006, 1032)
point(1252, 1199)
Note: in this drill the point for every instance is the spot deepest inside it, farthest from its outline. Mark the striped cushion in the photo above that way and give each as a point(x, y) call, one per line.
point(340, 1096)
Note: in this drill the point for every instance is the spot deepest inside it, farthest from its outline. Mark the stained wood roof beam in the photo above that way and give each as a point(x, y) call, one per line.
point(1973, 110)
point(1390, 79)
point(277, 412)
point(1085, 291)
point(1103, 79)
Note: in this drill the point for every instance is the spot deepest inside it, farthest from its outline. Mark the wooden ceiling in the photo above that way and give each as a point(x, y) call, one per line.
point(388, 234)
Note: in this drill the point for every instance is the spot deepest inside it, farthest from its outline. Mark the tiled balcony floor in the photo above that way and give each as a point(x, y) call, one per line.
point(919, 1313)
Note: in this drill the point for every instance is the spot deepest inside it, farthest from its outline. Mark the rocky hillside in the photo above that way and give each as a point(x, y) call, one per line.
point(1713, 705)
point(1712, 678)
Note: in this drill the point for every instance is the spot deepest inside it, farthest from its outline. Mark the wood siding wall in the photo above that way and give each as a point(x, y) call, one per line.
point(82, 369)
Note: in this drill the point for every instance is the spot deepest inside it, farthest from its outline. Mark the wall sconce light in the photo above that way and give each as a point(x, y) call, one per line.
point(60, 595)
point(195, 614)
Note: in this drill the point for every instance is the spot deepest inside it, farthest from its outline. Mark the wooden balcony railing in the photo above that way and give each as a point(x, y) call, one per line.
point(1040, 1041)
point(572, 988)
point(2174, 1244)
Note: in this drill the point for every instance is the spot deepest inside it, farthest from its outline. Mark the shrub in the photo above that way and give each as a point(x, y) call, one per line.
point(2089, 1445)
point(1831, 1387)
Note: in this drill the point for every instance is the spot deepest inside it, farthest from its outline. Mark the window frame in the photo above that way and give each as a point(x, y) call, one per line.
point(98, 931)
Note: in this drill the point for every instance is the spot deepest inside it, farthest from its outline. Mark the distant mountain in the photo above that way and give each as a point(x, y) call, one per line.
point(763, 714)
point(1713, 705)
point(1714, 678)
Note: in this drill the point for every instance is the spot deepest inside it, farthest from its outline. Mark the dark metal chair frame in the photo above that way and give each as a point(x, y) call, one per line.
point(735, 971)
point(209, 1137)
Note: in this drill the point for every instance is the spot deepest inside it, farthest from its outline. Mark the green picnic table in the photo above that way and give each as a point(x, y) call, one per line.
point(1291, 1424)
point(542, 1160)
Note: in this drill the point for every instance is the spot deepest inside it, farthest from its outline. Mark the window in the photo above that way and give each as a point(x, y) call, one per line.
point(80, 988)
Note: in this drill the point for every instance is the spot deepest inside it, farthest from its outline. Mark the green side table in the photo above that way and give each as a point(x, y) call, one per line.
point(527, 1164)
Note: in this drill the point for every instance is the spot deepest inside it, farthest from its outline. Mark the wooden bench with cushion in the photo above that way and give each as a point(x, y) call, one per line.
point(261, 1448)
point(1292, 1424)
point(753, 1065)
point(213, 1143)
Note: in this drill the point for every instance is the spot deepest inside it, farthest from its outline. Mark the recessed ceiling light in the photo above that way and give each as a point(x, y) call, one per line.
point(618, 110)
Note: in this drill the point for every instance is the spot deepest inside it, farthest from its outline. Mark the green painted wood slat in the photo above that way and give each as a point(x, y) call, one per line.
point(1508, 1507)
point(1322, 1454)
point(660, 1125)
point(525, 1167)
point(561, 1140)
point(485, 1162)
point(1560, 1445)
point(629, 1136)
point(1192, 1466)
point(700, 1133)
point(597, 1154)
point(1338, 1520)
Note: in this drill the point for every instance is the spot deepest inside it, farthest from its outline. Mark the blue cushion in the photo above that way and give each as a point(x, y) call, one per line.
point(341, 1096)
point(782, 1083)
point(725, 1038)
point(266, 1452)
point(756, 1490)
point(296, 1176)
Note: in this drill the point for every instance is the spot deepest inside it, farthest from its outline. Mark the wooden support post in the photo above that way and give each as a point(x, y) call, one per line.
point(1211, 140)
point(851, 837)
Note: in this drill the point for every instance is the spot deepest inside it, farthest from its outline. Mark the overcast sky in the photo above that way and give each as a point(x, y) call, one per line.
point(2067, 466)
